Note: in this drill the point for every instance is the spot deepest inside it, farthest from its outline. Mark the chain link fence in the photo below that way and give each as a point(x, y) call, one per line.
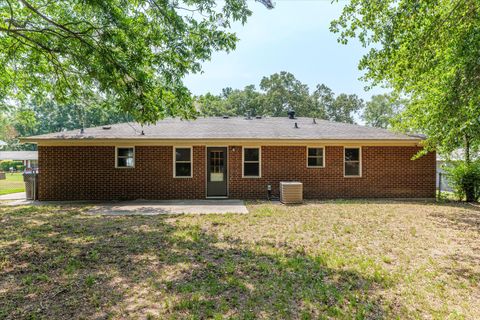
point(444, 189)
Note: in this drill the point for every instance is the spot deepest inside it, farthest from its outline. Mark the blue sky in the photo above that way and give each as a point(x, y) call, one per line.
point(293, 37)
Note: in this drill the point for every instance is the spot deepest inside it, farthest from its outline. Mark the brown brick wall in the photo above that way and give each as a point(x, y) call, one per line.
point(69, 173)
point(79, 173)
point(386, 172)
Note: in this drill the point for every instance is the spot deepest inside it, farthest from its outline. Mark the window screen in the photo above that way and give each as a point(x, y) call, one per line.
point(183, 162)
point(251, 162)
point(352, 162)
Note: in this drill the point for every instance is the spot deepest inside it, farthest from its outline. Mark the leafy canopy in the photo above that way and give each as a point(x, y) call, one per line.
point(38, 118)
point(428, 51)
point(279, 93)
point(282, 92)
point(340, 109)
point(134, 53)
point(381, 110)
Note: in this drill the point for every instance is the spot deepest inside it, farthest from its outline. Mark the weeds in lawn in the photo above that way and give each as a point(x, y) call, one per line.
point(322, 260)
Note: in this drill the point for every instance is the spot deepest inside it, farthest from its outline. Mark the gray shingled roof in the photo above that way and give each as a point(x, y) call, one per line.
point(18, 155)
point(234, 128)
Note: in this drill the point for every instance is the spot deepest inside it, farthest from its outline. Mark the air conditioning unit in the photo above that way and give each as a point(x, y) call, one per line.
point(291, 192)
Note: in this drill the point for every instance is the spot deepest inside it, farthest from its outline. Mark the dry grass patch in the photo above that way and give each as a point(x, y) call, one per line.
point(350, 259)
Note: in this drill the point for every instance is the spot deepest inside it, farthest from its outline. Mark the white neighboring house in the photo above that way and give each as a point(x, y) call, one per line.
point(29, 158)
point(442, 161)
point(441, 172)
point(2, 144)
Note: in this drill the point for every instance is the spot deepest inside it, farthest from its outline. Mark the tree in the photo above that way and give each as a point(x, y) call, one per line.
point(341, 108)
point(381, 109)
point(245, 102)
point(39, 118)
point(7, 131)
point(428, 51)
point(283, 92)
point(133, 52)
point(210, 105)
point(231, 103)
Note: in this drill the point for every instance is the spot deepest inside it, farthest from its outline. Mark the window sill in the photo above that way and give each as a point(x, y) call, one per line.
point(251, 177)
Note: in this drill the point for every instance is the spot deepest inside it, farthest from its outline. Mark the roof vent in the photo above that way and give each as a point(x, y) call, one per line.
point(226, 117)
point(258, 117)
point(296, 126)
point(291, 114)
point(314, 121)
point(107, 127)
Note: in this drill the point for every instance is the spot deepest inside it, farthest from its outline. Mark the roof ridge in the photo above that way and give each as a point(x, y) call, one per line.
point(233, 128)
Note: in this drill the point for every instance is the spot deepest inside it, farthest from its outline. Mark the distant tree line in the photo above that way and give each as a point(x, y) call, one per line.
point(40, 118)
point(282, 92)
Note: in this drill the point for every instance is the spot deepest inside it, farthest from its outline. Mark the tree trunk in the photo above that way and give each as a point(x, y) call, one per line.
point(467, 149)
point(468, 185)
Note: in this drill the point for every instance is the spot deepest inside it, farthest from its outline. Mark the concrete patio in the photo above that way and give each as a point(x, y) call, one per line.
point(13, 196)
point(148, 207)
point(143, 207)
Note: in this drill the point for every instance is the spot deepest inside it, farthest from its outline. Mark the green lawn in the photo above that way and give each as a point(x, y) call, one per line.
point(340, 260)
point(14, 183)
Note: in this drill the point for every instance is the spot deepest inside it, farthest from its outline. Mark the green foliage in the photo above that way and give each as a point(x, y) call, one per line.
point(283, 92)
point(381, 109)
point(7, 131)
point(48, 117)
point(341, 108)
point(246, 101)
point(134, 53)
point(5, 165)
point(39, 118)
point(211, 105)
point(279, 93)
point(464, 177)
point(427, 50)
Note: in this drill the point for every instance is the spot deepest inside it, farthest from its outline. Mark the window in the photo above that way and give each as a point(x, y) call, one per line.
point(183, 162)
point(353, 163)
point(125, 157)
point(251, 162)
point(315, 157)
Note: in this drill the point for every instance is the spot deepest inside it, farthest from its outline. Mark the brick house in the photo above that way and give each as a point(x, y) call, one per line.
point(236, 158)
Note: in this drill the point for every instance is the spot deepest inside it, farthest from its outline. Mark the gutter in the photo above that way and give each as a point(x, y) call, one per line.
point(250, 142)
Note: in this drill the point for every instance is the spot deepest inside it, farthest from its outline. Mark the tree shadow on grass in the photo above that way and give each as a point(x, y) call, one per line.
point(469, 270)
point(466, 217)
point(59, 263)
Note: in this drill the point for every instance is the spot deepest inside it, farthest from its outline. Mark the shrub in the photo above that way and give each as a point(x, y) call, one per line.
point(464, 179)
point(6, 164)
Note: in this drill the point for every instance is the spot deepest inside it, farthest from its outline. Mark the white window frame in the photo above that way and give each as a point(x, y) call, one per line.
point(359, 160)
point(116, 156)
point(175, 162)
point(323, 158)
point(259, 162)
